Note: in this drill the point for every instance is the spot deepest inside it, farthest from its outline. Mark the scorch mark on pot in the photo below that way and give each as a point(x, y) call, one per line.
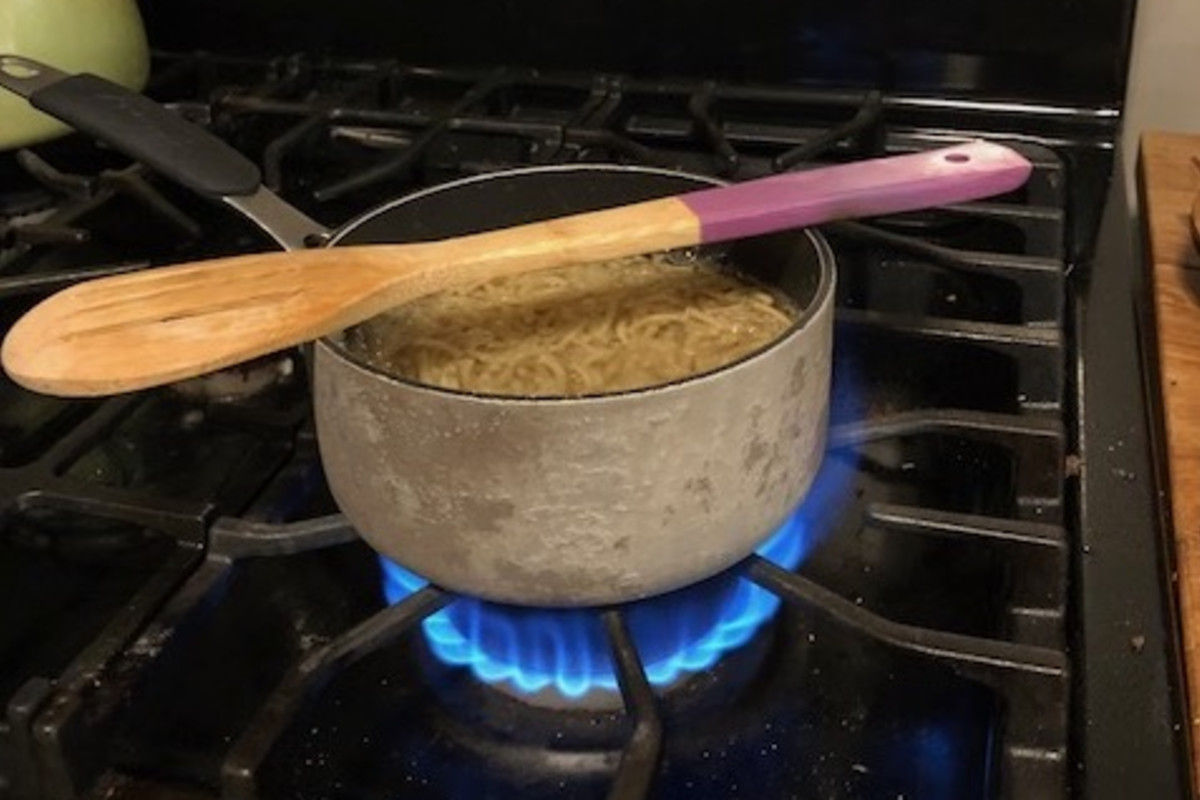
point(487, 515)
point(702, 489)
point(756, 451)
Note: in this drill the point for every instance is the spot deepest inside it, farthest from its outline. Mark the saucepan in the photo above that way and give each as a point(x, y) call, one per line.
point(534, 501)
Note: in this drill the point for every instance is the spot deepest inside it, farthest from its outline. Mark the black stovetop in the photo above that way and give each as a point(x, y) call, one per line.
point(186, 615)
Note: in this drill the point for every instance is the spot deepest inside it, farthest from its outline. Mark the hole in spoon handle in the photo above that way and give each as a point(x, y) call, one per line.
point(875, 187)
point(24, 76)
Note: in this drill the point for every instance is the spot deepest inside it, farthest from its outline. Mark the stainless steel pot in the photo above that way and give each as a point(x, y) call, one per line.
point(581, 500)
point(559, 502)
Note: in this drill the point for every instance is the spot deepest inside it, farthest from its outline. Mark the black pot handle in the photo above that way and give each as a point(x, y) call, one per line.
point(168, 143)
point(136, 125)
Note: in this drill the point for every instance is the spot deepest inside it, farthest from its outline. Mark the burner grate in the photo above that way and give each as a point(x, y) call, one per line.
point(1032, 678)
point(972, 297)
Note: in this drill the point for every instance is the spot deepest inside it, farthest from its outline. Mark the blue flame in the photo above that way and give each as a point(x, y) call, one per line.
point(534, 648)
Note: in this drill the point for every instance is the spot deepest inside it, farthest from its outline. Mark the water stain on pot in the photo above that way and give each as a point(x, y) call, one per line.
point(702, 490)
point(799, 378)
point(755, 452)
point(486, 514)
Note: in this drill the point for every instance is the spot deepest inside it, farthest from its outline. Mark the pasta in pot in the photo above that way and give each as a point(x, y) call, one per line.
point(580, 330)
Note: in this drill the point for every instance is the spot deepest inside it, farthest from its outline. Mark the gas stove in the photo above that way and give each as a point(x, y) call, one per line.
point(187, 615)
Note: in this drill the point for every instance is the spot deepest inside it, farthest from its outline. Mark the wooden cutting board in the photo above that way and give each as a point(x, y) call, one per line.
point(1170, 185)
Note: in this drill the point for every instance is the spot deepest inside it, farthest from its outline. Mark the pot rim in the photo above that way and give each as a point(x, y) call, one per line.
point(822, 297)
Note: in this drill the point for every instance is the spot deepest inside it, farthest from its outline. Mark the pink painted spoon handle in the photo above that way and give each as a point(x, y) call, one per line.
point(862, 189)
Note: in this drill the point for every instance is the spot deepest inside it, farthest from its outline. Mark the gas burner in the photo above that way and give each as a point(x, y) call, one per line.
point(597, 717)
point(560, 658)
point(490, 718)
point(704, 688)
point(250, 379)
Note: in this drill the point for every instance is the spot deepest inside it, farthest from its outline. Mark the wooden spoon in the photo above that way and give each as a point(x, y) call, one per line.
point(144, 329)
point(1196, 221)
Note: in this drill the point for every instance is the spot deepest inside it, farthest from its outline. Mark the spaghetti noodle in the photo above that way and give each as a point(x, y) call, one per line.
point(579, 330)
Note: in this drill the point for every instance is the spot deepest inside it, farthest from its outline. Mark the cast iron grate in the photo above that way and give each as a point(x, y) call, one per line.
point(1032, 679)
point(336, 138)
